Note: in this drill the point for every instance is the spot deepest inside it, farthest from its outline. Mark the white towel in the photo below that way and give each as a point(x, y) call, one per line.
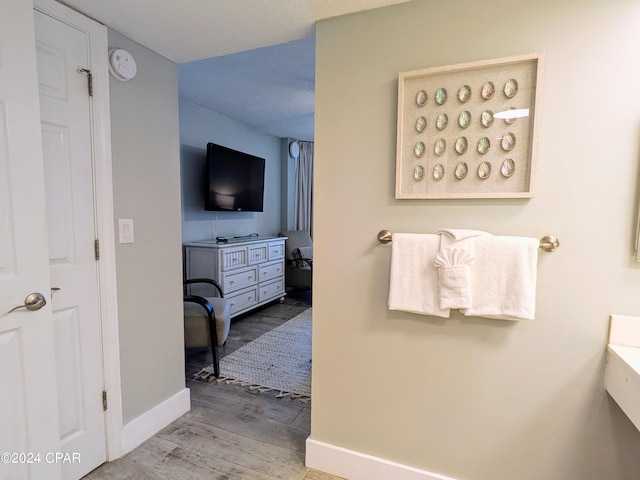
point(504, 278)
point(454, 277)
point(413, 285)
point(455, 235)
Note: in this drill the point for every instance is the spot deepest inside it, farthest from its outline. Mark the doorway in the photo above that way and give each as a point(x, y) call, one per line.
point(71, 55)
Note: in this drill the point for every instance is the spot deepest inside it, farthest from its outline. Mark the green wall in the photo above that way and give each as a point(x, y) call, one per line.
point(473, 398)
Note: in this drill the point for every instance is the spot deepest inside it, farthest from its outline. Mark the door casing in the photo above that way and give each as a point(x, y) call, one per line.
point(103, 191)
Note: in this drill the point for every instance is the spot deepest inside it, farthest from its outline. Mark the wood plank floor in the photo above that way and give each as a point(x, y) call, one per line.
point(230, 432)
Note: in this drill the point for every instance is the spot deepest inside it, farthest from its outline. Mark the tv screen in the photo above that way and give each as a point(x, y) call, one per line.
point(235, 180)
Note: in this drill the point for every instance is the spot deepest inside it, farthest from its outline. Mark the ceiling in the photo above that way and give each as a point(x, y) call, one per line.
point(251, 60)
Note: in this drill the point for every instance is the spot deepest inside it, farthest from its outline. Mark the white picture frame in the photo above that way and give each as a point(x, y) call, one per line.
point(487, 147)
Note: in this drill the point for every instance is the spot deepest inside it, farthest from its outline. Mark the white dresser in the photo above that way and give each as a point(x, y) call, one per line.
point(251, 272)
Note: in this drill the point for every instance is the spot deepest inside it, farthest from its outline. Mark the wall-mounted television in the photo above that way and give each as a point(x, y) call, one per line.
point(234, 180)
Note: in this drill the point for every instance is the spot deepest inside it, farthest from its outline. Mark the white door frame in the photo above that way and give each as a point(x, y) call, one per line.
point(103, 204)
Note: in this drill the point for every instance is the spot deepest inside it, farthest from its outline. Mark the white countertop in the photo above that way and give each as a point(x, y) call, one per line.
point(622, 378)
point(630, 355)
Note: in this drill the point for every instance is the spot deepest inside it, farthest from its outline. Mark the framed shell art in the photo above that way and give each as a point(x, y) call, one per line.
point(469, 130)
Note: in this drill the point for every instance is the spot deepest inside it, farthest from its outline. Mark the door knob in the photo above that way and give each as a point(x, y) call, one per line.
point(34, 301)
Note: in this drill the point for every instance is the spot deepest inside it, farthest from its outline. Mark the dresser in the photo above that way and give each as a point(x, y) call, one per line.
point(250, 271)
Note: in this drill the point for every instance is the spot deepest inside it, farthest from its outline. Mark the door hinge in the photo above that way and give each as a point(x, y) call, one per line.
point(104, 400)
point(96, 246)
point(89, 79)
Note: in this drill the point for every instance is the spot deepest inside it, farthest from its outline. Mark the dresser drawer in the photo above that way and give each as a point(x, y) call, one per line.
point(238, 280)
point(257, 253)
point(276, 250)
point(270, 270)
point(233, 258)
point(272, 289)
point(243, 300)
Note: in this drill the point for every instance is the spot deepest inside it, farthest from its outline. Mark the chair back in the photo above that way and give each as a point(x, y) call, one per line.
point(296, 239)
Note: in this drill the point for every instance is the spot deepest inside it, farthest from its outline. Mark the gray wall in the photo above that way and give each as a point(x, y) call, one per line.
point(146, 169)
point(198, 126)
point(473, 398)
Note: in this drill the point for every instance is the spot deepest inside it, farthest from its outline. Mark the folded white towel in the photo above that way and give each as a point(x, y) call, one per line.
point(457, 234)
point(413, 285)
point(504, 278)
point(454, 277)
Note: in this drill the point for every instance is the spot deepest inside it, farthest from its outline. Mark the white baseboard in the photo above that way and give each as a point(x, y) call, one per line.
point(359, 466)
point(151, 422)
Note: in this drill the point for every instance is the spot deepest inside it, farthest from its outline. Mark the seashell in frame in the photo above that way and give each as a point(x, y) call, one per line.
point(510, 88)
point(461, 145)
point(418, 173)
point(438, 172)
point(440, 147)
point(441, 96)
point(421, 124)
point(508, 142)
point(464, 119)
point(487, 91)
point(461, 170)
point(510, 120)
point(483, 145)
point(419, 149)
point(508, 168)
point(442, 121)
point(421, 98)
point(484, 170)
point(464, 94)
point(486, 119)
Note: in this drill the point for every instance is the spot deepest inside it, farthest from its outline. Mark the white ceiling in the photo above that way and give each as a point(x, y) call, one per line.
point(269, 88)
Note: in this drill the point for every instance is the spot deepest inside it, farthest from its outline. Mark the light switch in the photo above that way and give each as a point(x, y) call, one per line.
point(125, 227)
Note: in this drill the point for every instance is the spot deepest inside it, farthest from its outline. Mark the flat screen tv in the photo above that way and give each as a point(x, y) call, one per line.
point(234, 180)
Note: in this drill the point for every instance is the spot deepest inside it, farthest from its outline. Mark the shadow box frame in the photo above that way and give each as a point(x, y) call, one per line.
point(450, 145)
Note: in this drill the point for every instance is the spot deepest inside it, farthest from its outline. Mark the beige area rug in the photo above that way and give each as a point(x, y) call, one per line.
point(278, 361)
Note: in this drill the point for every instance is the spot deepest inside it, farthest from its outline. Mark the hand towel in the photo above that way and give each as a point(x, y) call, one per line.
point(458, 234)
point(454, 278)
point(503, 278)
point(413, 285)
point(458, 238)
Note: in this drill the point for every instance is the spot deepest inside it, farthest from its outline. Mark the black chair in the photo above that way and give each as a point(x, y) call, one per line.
point(206, 319)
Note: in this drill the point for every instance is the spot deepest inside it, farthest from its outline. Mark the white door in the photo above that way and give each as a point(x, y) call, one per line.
point(28, 401)
point(63, 64)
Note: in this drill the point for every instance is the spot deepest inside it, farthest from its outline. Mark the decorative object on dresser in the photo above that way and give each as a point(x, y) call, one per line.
point(299, 257)
point(206, 319)
point(250, 270)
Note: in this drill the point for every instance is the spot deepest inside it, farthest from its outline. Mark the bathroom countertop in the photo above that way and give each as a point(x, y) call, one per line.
point(622, 378)
point(629, 355)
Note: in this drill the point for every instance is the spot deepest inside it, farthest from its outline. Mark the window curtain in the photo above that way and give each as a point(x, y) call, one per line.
point(304, 189)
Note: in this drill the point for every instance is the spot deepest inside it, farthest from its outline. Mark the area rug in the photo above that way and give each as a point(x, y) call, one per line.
point(277, 361)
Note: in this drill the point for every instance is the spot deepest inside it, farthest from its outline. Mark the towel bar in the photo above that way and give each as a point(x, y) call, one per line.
point(548, 243)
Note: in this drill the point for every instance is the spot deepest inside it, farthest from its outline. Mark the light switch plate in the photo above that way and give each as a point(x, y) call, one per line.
point(125, 229)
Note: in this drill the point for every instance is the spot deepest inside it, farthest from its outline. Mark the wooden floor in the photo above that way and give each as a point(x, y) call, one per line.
point(230, 433)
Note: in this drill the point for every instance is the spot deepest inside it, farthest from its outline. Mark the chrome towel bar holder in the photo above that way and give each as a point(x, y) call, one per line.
point(548, 243)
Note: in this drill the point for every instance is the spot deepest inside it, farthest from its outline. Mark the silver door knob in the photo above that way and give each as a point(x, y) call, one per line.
point(34, 301)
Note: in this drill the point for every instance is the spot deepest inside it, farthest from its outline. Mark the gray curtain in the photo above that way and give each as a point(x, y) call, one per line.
point(304, 188)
